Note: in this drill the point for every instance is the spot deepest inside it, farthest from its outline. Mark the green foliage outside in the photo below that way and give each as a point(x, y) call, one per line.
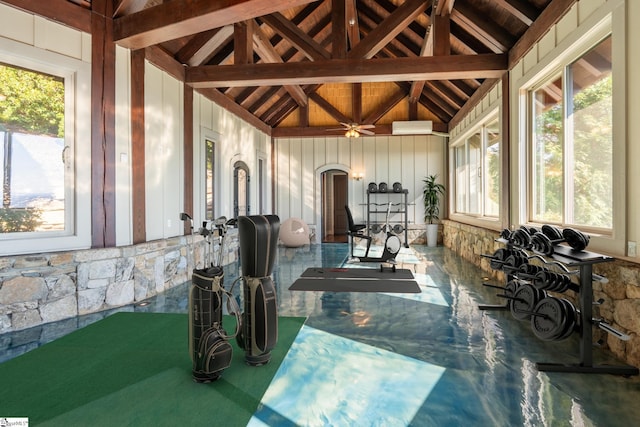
point(31, 102)
point(592, 159)
point(19, 219)
point(593, 155)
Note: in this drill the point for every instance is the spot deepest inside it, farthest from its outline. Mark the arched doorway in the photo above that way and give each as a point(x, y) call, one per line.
point(335, 195)
point(240, 189)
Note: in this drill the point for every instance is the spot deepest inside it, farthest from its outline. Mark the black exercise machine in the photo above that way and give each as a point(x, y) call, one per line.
point(391, 244)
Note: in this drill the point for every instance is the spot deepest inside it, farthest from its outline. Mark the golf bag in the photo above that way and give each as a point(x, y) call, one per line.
point(209, 345)
point(258, 244)
point(210, 350)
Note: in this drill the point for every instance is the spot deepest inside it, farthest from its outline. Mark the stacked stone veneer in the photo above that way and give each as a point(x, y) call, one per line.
point(621, 294)
point(41, 288)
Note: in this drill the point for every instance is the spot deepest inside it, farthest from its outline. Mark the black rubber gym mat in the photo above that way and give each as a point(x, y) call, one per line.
point(358, 273)
point(355, 285)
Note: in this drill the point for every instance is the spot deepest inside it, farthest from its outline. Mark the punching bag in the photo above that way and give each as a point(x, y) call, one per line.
point(258, 245)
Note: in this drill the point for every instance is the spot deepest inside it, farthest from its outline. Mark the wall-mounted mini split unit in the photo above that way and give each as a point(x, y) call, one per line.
point(416, 127)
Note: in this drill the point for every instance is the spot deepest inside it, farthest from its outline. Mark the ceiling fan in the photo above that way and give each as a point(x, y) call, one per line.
point(353, 130)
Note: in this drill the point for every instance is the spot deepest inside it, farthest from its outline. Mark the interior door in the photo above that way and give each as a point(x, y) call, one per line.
point(340, 197)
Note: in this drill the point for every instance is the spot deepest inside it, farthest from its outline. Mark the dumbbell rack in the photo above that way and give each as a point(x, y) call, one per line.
point(583, 261)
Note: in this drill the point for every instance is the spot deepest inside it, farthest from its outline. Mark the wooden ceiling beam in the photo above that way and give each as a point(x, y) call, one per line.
point(445, 91)
point(301, 40)
point(547, 19)
point(268, 53)
point(388, 29)
point(127, 7)
point(432, 93)
point(218, 97)
point(404, 46)
point(284, 106)
point(329, 108)
point(521, 9)
point(356, 102)
point(349, 71)
point(338, 29)
point(427, 103)
point(437, 42)
point(203, 46)
point(243, 35)
point(174, 19)
point(353, 24)
point(61, 11)
point(385, 107)
point(164, 61)
point(490, 34)
point(444, 7)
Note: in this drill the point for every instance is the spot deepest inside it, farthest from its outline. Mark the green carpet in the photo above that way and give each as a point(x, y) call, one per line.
point(134, 369)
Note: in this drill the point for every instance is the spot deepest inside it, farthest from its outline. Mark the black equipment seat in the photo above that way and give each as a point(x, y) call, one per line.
point(355, 230)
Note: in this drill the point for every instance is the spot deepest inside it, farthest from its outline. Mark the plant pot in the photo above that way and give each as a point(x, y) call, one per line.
point(432, 235)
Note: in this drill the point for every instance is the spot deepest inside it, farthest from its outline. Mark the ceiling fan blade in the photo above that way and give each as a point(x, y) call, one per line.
point(346, 125)
point(366, 126)
point(366, 132)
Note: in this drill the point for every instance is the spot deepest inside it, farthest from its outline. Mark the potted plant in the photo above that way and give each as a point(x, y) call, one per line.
point(431, 193)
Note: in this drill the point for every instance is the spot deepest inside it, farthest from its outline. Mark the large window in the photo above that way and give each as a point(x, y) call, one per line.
point(571, 148)
point(36, 158)
point(210, 161)
point(45, 150)
point(477, 171)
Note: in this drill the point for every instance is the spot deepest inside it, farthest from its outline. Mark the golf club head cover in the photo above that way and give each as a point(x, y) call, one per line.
point(258, 244)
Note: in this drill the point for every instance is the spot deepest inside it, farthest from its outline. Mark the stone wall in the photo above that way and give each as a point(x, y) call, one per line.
point(620, 293)
point(42, 288)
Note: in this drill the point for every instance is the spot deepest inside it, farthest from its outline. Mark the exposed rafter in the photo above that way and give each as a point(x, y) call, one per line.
point(349, 71)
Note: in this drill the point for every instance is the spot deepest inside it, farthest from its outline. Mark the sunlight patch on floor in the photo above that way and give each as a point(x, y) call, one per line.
point(326, 379)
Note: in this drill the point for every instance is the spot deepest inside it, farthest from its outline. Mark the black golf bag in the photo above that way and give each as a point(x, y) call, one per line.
point(210, 350)
point(209, 345)
point(258, 244)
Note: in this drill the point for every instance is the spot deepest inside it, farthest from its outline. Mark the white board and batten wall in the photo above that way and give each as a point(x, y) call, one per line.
point(300, 163)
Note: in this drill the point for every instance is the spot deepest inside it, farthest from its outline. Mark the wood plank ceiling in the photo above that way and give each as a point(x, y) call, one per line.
point(300, 67)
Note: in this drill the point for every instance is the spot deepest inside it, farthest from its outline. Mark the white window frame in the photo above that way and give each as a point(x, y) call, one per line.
point(478, 219)
point(610, 22)
point(77, 82)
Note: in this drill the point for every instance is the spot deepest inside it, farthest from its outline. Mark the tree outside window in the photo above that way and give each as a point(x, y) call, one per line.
point(572, 145)
point(32, 117)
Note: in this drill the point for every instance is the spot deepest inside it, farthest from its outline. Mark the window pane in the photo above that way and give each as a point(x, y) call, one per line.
point(547, 168)
point(261, 186)
point(461, 186)
point(474, 145)
point(590, 116)
point(32, 151)
point(492, 170)
point(241, 189)
point(209, 156)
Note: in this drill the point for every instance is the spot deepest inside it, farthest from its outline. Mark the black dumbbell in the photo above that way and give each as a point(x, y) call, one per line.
point(545, 241)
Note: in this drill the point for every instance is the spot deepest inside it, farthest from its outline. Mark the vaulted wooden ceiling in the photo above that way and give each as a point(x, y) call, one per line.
point(299, 67)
